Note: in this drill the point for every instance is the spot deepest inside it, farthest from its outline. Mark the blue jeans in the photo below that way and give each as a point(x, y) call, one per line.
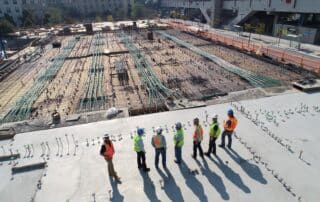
point(178, 153)
point(224, 134)
point(161, 151)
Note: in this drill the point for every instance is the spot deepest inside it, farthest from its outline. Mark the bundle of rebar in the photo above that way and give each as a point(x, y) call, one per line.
point(23, 107)
point(93, 97)
point(254, 79)
point(156, 90)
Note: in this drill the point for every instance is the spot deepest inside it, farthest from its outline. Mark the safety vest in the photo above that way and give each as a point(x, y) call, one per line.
point(213, 133)
point(157, 140)
point(233, 124)
point(179, 135)
point(136, 143)
point(198, 133)
point(109, 152)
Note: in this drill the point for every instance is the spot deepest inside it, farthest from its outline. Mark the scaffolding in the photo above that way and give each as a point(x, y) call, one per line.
point(157, 92)
point(93, 97)
point(23, 107)
point(254, 79)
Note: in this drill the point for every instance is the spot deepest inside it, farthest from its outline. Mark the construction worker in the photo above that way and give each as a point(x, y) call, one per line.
point(197, 138)
point(178, 140)
point(158, 141)
point(214, 133)
point(139, 148)
point(107, 151)
point(229, 126)
point(56, 119)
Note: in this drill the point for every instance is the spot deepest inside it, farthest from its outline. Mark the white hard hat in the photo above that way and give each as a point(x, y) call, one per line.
point(215, 116)
point(159, 130)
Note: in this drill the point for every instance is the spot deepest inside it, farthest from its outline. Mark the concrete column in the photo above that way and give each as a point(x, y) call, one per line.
point(275, 21)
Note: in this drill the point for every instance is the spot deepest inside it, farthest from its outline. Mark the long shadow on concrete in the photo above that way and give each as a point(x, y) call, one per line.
point(231, 175)
point(170, 187)
point(214, 179)
point(252, 170)
point(116, 196)
point(191, 181)
point(149, 187)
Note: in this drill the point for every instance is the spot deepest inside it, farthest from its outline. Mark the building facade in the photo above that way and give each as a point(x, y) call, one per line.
point(11, 9)
point(85, 8)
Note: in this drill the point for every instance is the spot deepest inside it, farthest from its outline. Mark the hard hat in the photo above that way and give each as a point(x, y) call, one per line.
point(178, 126)
point(215, 116)
point(106, 136)
point(230, 112)
point(159, 130)
point(140, 131)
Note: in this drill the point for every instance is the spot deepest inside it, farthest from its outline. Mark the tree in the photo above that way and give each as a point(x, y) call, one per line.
point(27, 19)
point(109, 18)
point(98, 19)
point(139, 10)
point(260, 29)
point(55, 16)
point(6, 27)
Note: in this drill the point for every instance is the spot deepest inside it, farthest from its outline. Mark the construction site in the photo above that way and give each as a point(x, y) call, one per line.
point(136, 67)
point(72, 88)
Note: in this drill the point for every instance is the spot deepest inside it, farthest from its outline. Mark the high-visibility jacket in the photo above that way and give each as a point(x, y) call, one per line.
point(230, 124)
point(198, 133)
point(158, 141)
point(109, 152)
point(213, 133)
point(179, 138)
point(136, 145)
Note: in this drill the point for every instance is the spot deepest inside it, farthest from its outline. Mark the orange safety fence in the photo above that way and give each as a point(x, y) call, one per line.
point(281, 55)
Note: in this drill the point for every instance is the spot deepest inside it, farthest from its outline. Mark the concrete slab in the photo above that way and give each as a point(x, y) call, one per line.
point(258, 168)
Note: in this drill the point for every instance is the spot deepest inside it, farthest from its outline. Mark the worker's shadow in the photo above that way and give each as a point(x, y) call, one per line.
point(231, 175)
point(191, 181)
point(252, 170)
point(116, 196)
point(148, 187)
point(169, 186)
point(214, 179)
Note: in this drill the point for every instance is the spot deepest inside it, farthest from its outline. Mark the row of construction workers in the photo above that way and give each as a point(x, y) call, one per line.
point(158, 141)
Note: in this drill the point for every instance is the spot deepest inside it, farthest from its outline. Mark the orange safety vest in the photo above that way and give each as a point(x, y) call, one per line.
point(108, 154)
point(198, 133)
point(157, 141)
point(233, 124)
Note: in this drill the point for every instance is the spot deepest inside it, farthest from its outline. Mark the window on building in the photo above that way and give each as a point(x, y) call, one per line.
point(17, 10)
point(15, 2)
point(24, 2)
point(6, 2)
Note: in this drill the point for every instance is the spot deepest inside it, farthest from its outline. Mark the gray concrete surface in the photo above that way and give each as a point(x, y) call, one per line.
point(261, 166)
